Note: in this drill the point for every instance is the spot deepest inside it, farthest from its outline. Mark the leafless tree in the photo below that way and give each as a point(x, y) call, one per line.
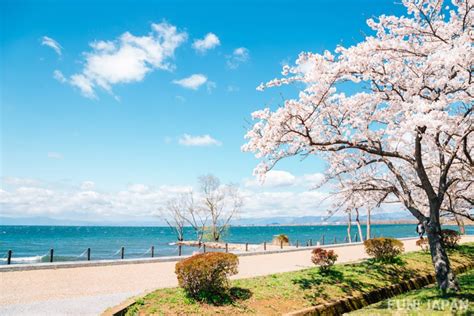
point(196, 216)
point(174, 213)
point(220, 202)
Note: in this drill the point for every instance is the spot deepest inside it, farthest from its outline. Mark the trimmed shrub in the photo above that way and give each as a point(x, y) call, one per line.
point(206, 275)
point(450, 238)
point(384, 249)
point(325, 259)
point(423, 244)
point(279, 239)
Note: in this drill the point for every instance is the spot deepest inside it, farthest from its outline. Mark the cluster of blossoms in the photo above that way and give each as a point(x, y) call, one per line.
point(405, 135)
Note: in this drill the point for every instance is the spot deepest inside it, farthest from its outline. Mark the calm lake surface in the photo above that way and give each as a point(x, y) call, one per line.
point(32, 243)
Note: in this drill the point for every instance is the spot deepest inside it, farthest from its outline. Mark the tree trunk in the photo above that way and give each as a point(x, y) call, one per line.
point(349, 222)
point(444, 275)
point(368, 224)
point(359, 228)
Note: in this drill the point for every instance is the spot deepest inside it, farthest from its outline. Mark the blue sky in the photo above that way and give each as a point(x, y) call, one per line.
point(55, 136)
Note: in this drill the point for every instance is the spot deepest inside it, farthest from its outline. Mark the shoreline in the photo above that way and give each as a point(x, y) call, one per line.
point(89, 290)
point(336, 223)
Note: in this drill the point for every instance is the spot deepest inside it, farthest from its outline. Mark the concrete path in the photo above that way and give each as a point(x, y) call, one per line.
point(90, 290)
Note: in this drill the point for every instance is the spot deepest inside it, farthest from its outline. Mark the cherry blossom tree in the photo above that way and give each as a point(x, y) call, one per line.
point(406, 133)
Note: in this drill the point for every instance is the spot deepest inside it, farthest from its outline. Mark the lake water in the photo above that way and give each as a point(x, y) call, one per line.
point(32, 243)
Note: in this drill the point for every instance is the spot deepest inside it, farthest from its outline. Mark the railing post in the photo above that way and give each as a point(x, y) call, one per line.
point(152, 251)
point(246, 246)
point(297, 244)
point(335, 240)
point(281, 244)
point(88, 254)
point(322, 242)
point(264, 245)
point(122, 255)
point(51, 255)
point(226, 247)
point(9, 257)
point(204, 247)
point(310, 242)
point(307, 243)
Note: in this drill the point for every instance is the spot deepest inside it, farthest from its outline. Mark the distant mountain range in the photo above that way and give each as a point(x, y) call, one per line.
point(318, 220)
point(262, 221)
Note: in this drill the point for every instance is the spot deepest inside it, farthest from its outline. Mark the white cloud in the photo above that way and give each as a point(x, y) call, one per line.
point(58, 75)
point(280, 178)
point(55, 155)
point(311, 180)
point(83, 201)
point(284, 203)
point(203, 140)
point(15, 181)
point(138, 188)
point(273, 179)
point(239, 56)
point(28, 198)
point(48, 41)
point(192, 82)
point(127, 59)
point(210, 41)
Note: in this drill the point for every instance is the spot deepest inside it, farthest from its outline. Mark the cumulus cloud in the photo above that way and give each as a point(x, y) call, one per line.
point(127, 59)
point(192, 82)
point(273, 179)
point(284, 203)
point(55, 155)
point(210, 41)
point(239, 56)
point(48, 41)
point(83, 201)
point(280, 178)
point(16, 181)
point(198, 140)
point(311, 180)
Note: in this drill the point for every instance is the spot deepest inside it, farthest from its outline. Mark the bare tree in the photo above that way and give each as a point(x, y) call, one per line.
point(220, 202)
point(196, 216)
point(174, 213)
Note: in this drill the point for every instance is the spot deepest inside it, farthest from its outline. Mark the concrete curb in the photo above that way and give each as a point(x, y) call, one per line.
point(97, 263)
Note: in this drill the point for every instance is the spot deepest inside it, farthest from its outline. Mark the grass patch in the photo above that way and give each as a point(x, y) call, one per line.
point(285, 292)
point(428, 301)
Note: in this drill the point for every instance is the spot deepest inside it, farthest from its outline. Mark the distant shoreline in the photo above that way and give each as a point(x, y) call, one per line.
point(363, 223)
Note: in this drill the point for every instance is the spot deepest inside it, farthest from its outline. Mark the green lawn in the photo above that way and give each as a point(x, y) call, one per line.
point(279, 293)
point(428, 301)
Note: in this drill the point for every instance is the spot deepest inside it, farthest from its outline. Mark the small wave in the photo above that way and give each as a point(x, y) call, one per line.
point(25, 259)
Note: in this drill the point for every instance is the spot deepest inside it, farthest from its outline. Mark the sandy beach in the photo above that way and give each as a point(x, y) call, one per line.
point(90, 290)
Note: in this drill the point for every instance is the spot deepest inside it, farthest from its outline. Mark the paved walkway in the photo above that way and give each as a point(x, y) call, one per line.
point(90, 290)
